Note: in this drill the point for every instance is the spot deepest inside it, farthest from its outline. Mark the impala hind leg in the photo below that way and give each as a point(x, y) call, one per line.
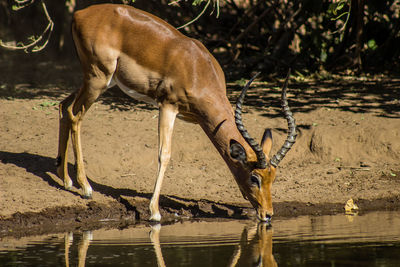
point(63, 140)
point(72, 110)
point(166, 119)
point(83, 101)
point(77, 147)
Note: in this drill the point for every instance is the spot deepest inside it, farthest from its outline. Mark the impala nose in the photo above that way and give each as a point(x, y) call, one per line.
point(266, 218)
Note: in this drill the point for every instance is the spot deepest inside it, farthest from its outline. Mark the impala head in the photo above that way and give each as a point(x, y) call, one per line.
point(255, 176)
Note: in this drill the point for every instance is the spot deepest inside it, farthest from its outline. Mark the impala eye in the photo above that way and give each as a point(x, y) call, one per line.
point(255, 180)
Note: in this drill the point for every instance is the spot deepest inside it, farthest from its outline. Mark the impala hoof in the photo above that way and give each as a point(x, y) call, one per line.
point(87, 196)
point(87, 193)
point(155, 217)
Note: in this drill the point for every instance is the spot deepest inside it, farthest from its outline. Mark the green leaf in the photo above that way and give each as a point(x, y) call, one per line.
point(47, 104)
point(372, 44)
point(241, 82)
point(323, 55)
point(197, 2)
point(332, 8)
point(340, 5)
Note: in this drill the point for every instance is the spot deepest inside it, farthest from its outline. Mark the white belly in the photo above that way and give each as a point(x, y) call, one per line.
point(131, 92)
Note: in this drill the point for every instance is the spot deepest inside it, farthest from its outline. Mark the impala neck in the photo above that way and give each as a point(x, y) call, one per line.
point(219, 125)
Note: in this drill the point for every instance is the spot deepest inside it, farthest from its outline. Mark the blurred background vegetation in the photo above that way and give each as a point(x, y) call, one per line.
point(311, 36)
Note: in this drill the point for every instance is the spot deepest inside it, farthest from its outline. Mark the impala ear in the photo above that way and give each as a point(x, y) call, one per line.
point(266, 141)
point(237, 151)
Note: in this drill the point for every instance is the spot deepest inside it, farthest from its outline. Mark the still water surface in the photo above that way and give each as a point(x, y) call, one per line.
point(369, 240)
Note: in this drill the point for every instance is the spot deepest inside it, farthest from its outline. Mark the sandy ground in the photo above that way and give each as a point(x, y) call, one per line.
point(348, 147)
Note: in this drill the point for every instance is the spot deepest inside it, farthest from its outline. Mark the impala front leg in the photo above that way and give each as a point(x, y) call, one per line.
point(166, 119)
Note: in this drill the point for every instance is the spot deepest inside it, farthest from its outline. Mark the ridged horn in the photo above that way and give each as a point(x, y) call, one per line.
point(291, 138)
point(261, 161)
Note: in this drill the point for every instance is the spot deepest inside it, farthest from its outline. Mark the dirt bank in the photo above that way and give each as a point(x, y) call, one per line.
point(348, 147)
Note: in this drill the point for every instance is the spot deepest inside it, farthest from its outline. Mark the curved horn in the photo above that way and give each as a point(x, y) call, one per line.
point(291, 138)
point(261, 162)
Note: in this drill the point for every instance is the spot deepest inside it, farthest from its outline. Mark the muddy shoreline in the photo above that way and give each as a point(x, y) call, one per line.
point(125, 213)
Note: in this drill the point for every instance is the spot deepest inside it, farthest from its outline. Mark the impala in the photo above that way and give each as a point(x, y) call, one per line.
point(151, 61)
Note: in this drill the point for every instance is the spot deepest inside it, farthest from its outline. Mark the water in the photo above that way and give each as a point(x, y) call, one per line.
point(369, 240)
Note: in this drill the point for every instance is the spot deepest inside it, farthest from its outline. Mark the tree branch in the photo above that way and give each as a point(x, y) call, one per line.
point(34, 44)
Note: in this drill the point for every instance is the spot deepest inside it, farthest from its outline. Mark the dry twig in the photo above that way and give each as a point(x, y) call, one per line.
point(35, 41)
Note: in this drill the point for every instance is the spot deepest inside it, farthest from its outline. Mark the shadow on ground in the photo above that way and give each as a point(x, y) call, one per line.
point(379, 96)
point(133, 200)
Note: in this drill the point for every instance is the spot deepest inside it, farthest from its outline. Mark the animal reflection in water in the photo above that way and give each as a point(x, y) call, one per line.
point(83, 246)
point(254, 248)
